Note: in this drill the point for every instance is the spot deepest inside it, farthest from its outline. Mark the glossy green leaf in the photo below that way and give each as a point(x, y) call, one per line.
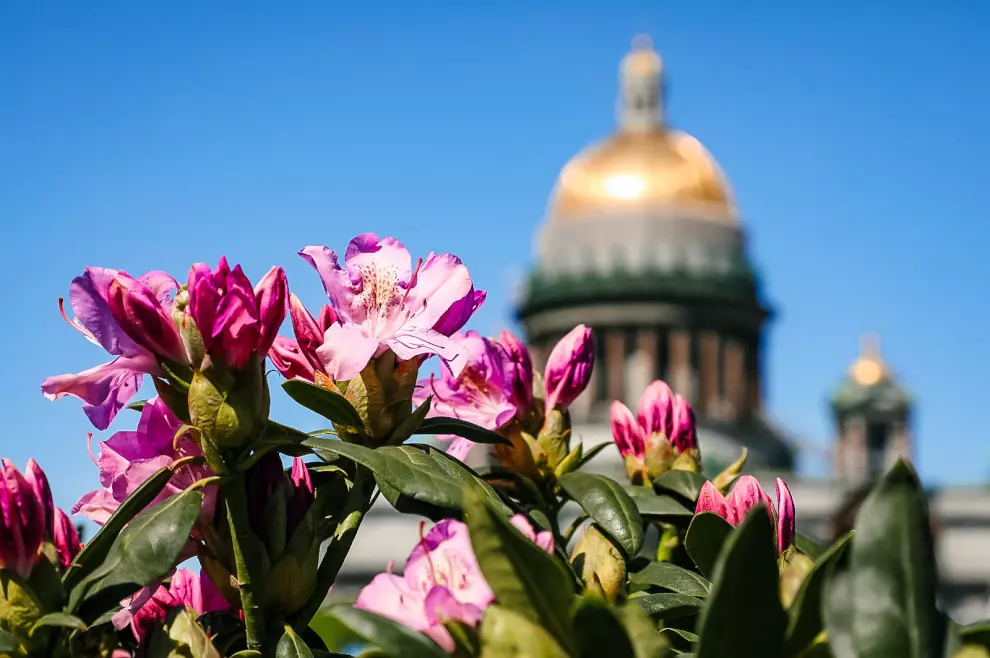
point(414, 479)
point(604, 500)
point(892, 565)
point(144, 552)
point(505, 633)
point(683, 483)
point(808, 546)
point(95, 550)
point(659, 507)
point(705, 537)
point(393, 638)
point(290, 645)
point(598, 632)
point(679, 639)
point(523, 577)
point(285, 439)
point(743, 617)
point(461, 428)
point(668, 605)
point(806, 620)
point(672, 577)
point(331, 405)
point(592, 452)
point(59, 619)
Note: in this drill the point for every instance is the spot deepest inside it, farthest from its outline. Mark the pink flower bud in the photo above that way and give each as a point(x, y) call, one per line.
point(521, 371)
point(745, 495)
point(309, 332)
point(785, 517)
point(656, 408)
point(22, 521)
point(272, 297)
point(39, 483)
point(288, 358)
point(66, 539)
point(629, 436)
point(569, 368)
point(302, 494)
point(143, 317)
point(683, 431)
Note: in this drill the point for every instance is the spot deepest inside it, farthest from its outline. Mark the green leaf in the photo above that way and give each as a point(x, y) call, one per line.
point(461, 428)
point(672, 577)
point(285, 439)
point(704, 540)
point(592, 452)
point(59, 619)
point(144, 552)
point(892, 565)
point(408, 427)
point(137, 405)
point(743, 617)
point(95, 550)
point(466, 639)
point(8, 643)
point(522, 576)
point(612, 509)
point(598, 632)
point(978, 633)
point(679, 639)
point(839, 614)
point(806, 620)
point(658, 507)
point(668, 605)
point(391, 637)
point(642, 631)
point(292, 646)
point(331, 405)
point(686, 484)
point(414, 479)
point(506, 633)
point(808, 546)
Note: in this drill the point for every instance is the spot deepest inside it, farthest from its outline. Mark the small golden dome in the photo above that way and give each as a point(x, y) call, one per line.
point(869, 368)
point(654, 170)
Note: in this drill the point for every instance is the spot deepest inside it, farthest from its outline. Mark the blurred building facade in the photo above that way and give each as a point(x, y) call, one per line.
point(643, 242)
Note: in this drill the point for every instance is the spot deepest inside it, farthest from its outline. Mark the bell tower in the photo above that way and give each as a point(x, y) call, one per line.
point(872, 414)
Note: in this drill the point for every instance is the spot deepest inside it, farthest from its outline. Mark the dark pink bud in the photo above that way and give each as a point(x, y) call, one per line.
point(327, 317)
point(142, 316)
point(656, 409)
point(785, 517)
point(522, 371)
point(204, 296)
point(309, 332)
point(39, 483)
point(569, 368)
point(455, 317)
point(22, 521)
point(271, 297)
point(683, 431)
point(288, 359)
point(626, 431)
point(66, 539)
point(302, 494)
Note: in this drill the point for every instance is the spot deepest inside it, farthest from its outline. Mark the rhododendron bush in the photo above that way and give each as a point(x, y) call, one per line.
point(221, 530)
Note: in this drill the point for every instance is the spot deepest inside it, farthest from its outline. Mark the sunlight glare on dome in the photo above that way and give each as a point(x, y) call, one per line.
point(625, 186)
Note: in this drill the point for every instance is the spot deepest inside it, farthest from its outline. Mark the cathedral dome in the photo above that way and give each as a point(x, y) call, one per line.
point(645, 167)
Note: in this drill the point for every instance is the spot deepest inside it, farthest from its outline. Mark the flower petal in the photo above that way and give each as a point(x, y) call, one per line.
point(346, 350)
point(626, 431)
point(785, 517)
point(105, 389)
point(710, 499)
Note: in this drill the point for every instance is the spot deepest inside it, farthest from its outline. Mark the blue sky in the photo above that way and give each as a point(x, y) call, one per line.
point(151, 135)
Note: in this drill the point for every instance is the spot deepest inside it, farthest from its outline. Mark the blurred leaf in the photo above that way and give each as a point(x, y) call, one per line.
point(95, 550)
point(144, 552)
point(331, 405)
point(683, 483)
point(679, 639)
point(658, 507)
point(612, 509)
point(461, 428)
point(672, 577)
point(704, 540)
point(8, 643)
point(506, 633)
point(642, 632)
point(806, 617)
point(743, 617)
point(291, 645)
point(523, 577)
point(838, 614)
point(188, 634)
point(466, 639)
point(808, 546)
point(391, 637)
point(598, 632)
point(59, 619)
point(414, 479)
point(892, 566)
point(978, 633)
point(668, 605)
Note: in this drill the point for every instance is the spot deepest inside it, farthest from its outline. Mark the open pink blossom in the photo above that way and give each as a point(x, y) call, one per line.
point(298, 358)
point(149, 607)
point(745, 495)
point(129, 318)
point(383, 303)
point(662, 414)
point(480, 394)
point(441, 580)
point(128, 458)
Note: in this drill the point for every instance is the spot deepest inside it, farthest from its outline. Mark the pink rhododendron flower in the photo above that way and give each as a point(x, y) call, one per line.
point(745, 495)
point(149, 607)
point(65, 538)
point(480, 394)
point(298, 358)
point(235, 320)
point(569, 368)
point(129, 458)
point(131, 319)
point(521, 370)
point(383, 303)
point(22, 520)
point(662, 414)
point(442, 580)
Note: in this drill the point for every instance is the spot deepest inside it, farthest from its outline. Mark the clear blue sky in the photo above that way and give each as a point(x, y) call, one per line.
point(147, 135)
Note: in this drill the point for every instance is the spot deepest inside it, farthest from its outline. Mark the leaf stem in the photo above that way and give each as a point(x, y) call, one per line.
point(244, 544)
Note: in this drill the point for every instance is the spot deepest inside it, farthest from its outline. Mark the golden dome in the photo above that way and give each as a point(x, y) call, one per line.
point(644, 166)
point(869, 368)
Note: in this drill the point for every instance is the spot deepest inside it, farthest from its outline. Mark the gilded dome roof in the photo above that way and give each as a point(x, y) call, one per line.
point(645, 166)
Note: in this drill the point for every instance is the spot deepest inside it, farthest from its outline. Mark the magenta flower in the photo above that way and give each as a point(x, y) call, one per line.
point(149, 607)
point(746, 495)
point(662, 414)
point(129, 458)
point(235, 320)
point(22, 520)
point(480, 394)
point(441, 580)
point(569, 368)
point(137, 329)
point(65, 538)
point(298, 358)
point(522, 370)
point(382, 303)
